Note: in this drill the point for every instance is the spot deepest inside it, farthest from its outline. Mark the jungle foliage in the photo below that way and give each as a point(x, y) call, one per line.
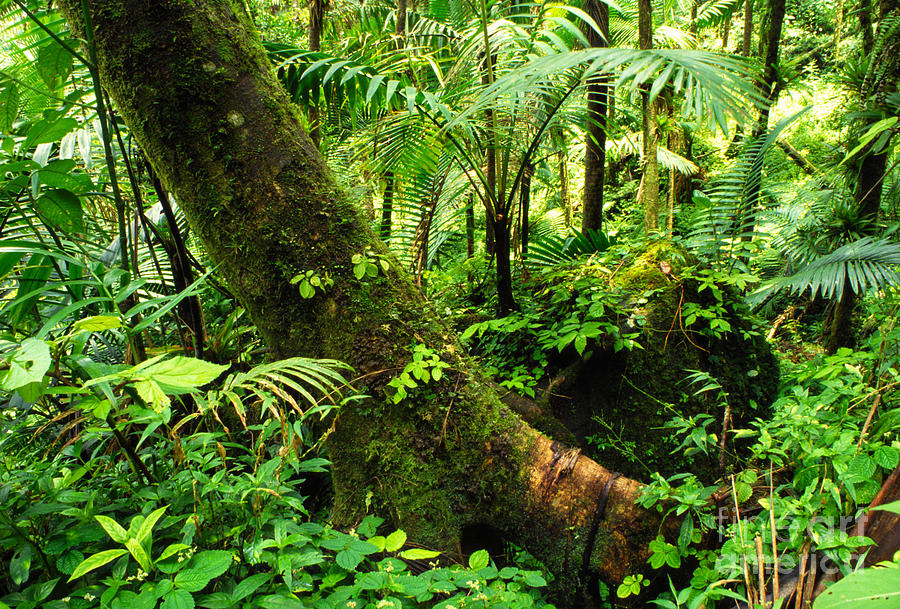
point(739, 354)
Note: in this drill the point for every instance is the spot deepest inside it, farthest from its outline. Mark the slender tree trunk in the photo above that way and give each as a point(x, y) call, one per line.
point(873, 164)
point(748, 28)
point(401, 19)
point(838, 29)
point(470, 228)
point(726, 33)
point(525, 199)
point(649, 191)
point(770, 40)
point(195, 87)
point(770, 85)
point(694, 5)
point(564, 198)
point(865, 24)
point(498, 220)
point(387, 206)
point(316, 16)
point(595, 138)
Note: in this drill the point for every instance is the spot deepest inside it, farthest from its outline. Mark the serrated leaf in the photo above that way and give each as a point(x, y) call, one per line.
point(69, 560)
point(743, 491)
point(374, 580)
point(348, 559)
point(96, 561)
point(479, 560)
point(178, 599)
point(534, 580)
point(394, 541)
point(887, 457)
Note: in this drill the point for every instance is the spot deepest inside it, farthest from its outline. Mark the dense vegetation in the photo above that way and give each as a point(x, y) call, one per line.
point(665, 233)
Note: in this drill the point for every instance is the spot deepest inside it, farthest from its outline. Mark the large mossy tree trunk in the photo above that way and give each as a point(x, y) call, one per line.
point(193, 83)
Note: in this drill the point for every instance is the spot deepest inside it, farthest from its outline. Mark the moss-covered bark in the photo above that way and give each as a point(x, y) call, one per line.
point(194, 86)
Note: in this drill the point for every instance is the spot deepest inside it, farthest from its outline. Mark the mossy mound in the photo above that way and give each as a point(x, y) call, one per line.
point(620, 402)
point(615, 398)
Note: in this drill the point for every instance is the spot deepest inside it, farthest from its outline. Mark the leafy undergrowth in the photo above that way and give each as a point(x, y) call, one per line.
point(138, 498)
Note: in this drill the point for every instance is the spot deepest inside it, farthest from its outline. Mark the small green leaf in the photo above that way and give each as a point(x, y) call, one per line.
point(892, 507)
point(479, 560)
point(28, 364)
point(112, 528)
point(887, 457)
point(534, 579)
point(178, 599)
point(54, 64)
point(139, 553)
point(97, 323)
point(306, 290)
point(394, 541)
point(182, 372)
point(348, 559)
point(20, 566)
point(9, 106)
point(419, 554)
point(96, 561)
point(48, 130)
point(69, 560)
point(248, 586)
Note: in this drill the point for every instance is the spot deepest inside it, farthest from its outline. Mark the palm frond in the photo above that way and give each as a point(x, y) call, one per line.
point(869, 263)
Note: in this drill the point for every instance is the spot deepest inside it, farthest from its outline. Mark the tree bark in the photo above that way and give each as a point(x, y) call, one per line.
point(838, 30)
point(649, 188)
point(595, 139)
point(525, 202)
point(873, 163)
point(748, 28)
point(770, 85)
point(193, 83)
point(387, 206)
point(865, 24)
point(316, 16)
point(401, 19)
point(649, 191)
